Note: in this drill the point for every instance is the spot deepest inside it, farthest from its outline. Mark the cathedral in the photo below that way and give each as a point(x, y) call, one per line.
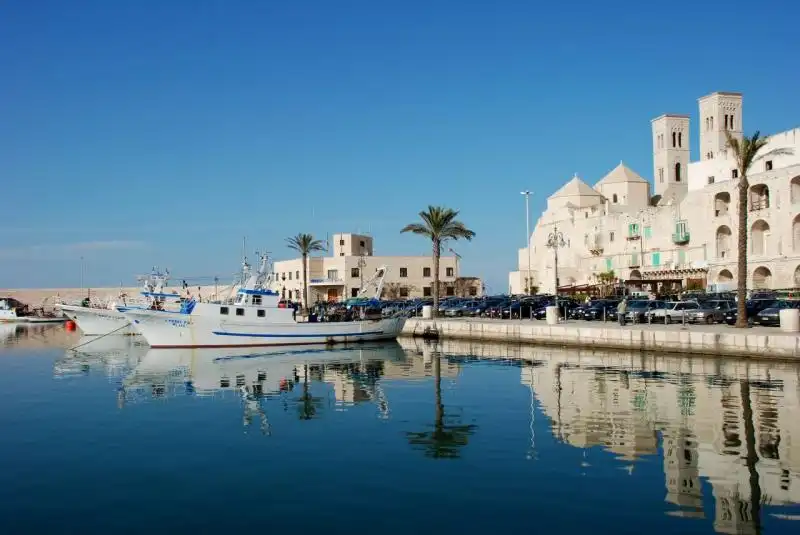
point(680, 231)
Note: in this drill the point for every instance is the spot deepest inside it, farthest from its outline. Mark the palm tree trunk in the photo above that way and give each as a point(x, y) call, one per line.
point(751, 458)
point(741, 283)
point(305, 283)
point(437, 251)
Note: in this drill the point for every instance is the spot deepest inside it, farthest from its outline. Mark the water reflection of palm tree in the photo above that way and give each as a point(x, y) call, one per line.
point(446, 439)
point(751, 456)
point(307, 404)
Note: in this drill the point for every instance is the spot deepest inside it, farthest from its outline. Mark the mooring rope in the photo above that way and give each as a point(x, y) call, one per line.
point(98, 338)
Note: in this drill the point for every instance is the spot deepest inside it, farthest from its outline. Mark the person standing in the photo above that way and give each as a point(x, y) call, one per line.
point(622, 309)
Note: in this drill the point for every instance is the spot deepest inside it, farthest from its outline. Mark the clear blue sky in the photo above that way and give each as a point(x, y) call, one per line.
point(142, 132)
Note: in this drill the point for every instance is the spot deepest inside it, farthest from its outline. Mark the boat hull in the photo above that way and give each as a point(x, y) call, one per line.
point(171, 330)
point(98, 321)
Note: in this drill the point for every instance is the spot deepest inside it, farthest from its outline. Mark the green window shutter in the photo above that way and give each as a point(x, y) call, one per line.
point(609, 264)
point(634, 259)
point(681, 256)
point(648, 232)
point(656, 259)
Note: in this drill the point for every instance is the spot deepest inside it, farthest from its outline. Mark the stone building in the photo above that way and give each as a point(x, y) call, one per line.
point(350, 263)
point(680, 230)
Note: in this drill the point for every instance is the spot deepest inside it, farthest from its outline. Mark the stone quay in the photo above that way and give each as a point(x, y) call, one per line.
point(720, 340)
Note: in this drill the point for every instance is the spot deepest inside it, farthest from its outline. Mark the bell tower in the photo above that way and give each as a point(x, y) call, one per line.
point(719, 112)
point(670, 152)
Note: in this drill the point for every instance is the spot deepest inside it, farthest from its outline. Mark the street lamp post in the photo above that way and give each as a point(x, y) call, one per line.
point(555, 240)
point(527, 195)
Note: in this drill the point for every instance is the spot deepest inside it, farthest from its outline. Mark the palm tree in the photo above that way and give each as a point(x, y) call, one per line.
point(746, 152)
point(439, 224)
point(305, 244)
point(446, 439)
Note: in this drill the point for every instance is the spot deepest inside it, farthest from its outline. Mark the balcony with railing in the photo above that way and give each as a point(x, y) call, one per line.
point(595, 245)
point(758, 198)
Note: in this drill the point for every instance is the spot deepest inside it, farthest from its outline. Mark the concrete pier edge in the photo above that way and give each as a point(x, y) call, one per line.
point(694, 340)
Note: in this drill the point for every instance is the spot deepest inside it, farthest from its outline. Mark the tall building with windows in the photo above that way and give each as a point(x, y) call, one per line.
point(350, 262)
point(680, 229)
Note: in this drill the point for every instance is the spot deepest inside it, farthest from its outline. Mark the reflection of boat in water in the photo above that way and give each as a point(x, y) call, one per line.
point(265, 371)
point(260, 375)
point(8, 331)
point(117, 355)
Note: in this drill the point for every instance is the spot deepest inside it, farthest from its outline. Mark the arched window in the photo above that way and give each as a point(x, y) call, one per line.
point(712, 123)
point(707, 123)
point(680, 137)
point(614, 198)
point(678, 172)
point(673, 139)
point(726, 121)
point(731, 122)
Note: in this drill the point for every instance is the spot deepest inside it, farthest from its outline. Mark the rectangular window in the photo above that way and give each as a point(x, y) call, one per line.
point(656, 259)
point(451, 291)
point(290, 275)
point(734, 173)
point(240, 312)
point(426, 291)
point(333, 274)
point(634, 260)
point(260, 313)
point(609, 264)
point(403, 291)
point(426, 272)
point(341, 254)
point(404, 272)
point(449, 272)
point(647, 232)
point(354, 272)
point(341, 242)
point(473, 291)
point(362, 244)
point(768, 165)
point(633, 229)
point(661, 175)
point(711, 180)
point(223, 311)
point(297, 275)
point(681, 257)
point(611, 236)
point(353, 292)
point(256, 299)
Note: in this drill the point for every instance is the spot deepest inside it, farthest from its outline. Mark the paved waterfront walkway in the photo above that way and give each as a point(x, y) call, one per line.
point(718, 339)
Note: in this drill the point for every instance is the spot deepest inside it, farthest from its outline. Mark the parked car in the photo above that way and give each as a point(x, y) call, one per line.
point(710, 312)
point(770, 317)
point(565, 306)
point(638, 310)
point(602, 309)
point(753, 307)
point(673, 312)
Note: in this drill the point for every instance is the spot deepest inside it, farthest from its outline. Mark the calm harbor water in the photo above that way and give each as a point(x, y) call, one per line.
point(392, 438)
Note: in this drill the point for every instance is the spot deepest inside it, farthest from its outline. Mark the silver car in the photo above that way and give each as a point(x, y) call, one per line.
point(674, 312)
point(710, 312)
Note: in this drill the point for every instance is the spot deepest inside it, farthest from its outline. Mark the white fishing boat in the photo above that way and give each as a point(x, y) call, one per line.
point(98, 319)
point(256, 319)
point(14, 311)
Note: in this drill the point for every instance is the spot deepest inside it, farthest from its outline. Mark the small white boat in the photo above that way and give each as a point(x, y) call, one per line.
point(255, 319)
point(107, 318)
point(14, 311)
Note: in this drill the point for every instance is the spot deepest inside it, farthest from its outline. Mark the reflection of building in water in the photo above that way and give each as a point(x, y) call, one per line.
point(699, 407)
